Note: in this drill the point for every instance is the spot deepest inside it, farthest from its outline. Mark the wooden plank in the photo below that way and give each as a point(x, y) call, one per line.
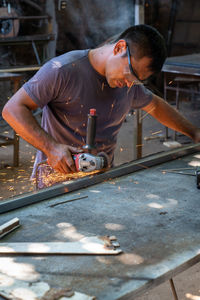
point(9, 226)
point(88, 245)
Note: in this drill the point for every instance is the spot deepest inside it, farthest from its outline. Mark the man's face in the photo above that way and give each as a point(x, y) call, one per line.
point(122, 69)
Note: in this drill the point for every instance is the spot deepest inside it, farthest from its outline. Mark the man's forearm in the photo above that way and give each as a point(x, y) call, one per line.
point(170, 117)
point(22, 121)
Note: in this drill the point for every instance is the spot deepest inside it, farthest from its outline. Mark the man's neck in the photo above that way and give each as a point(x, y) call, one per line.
point(98, 57)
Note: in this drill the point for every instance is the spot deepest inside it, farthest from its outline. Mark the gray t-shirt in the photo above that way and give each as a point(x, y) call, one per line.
point(67, 87)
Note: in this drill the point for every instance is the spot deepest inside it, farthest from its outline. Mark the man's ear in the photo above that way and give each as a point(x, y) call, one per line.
point(120, 47)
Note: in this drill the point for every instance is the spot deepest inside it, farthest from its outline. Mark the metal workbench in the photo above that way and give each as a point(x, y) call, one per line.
point(183, 64)
point(182, 74)
point(153, 214)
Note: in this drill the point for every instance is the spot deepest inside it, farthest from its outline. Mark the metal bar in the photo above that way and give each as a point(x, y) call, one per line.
point(36, 53)
point(24, 39)
point(106, 245)
point(6, 138)
point(16, 87)
point(173, 289)
point(9, 226)
point(182, 89)
point(20, 69)
point(25, 17)
point(182, 64)
point(67, 187)
point(137, 135)
point(165, 98)
point(177, 104)
point(16, 149)
point(8, 143)
point(181, 173)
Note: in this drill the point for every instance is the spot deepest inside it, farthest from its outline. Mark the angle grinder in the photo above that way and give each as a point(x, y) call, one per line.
point(87, 162)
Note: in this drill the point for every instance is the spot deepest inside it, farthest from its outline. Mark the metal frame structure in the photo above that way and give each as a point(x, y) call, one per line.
point(183, 71)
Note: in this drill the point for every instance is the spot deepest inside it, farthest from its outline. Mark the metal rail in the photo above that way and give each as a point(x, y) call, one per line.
point(70, 186)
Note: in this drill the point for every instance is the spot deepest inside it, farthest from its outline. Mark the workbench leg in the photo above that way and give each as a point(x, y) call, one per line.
point(177, 106)
point(165, 98)
point(173, 289)
point(16, 86)
point(137, 134)
point(16, 150)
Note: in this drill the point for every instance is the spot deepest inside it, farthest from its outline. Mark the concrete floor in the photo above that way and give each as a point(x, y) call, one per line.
point(15, 181)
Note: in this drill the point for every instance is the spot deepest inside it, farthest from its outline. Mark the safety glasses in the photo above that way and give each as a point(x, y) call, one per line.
point(131, 75)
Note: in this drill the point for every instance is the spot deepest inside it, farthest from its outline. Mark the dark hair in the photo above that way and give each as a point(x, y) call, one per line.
point(145, 40)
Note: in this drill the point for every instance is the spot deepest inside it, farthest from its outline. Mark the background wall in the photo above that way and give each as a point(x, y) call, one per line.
point(178, 21)
point(86, 24)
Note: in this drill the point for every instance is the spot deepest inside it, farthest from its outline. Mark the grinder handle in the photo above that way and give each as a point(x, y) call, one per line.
point(91, 131)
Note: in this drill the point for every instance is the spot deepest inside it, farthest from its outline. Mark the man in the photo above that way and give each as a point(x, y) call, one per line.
point(108, 78)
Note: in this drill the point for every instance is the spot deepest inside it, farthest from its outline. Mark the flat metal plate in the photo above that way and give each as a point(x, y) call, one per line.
point(154, 215)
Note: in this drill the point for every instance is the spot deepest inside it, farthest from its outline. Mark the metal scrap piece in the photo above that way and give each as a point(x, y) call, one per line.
point(110, 242)
point(9, 226)
point(56, 294)
point(87, 245)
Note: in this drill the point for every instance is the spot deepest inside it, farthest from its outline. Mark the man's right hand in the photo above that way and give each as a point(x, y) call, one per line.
point(17, 112)
point(60, 158)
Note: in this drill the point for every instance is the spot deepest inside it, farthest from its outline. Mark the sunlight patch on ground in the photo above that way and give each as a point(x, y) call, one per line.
point(112, 226)
point(192, 297)
point(69, 231)
point(130, 259)
point(155, 205)
point(22, 271)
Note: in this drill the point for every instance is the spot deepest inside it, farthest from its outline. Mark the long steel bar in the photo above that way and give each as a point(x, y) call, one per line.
point(70, 186)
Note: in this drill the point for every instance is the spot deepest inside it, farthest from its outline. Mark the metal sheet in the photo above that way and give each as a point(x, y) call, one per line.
point(154, 215)
point(74, 185)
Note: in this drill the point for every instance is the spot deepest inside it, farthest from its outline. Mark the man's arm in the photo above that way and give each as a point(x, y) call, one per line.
point(170, 117)
point(18, 113)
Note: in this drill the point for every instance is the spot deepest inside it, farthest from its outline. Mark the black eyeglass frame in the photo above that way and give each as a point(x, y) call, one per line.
point(131, 68)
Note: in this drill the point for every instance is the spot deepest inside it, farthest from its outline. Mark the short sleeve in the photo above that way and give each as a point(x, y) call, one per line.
point(141, 96)
point(43, 87)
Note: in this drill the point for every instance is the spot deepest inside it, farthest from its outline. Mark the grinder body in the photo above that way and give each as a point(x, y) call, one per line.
point(87, 162)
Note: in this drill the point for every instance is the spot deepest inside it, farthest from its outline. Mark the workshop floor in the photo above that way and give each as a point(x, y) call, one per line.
point(15, 181)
